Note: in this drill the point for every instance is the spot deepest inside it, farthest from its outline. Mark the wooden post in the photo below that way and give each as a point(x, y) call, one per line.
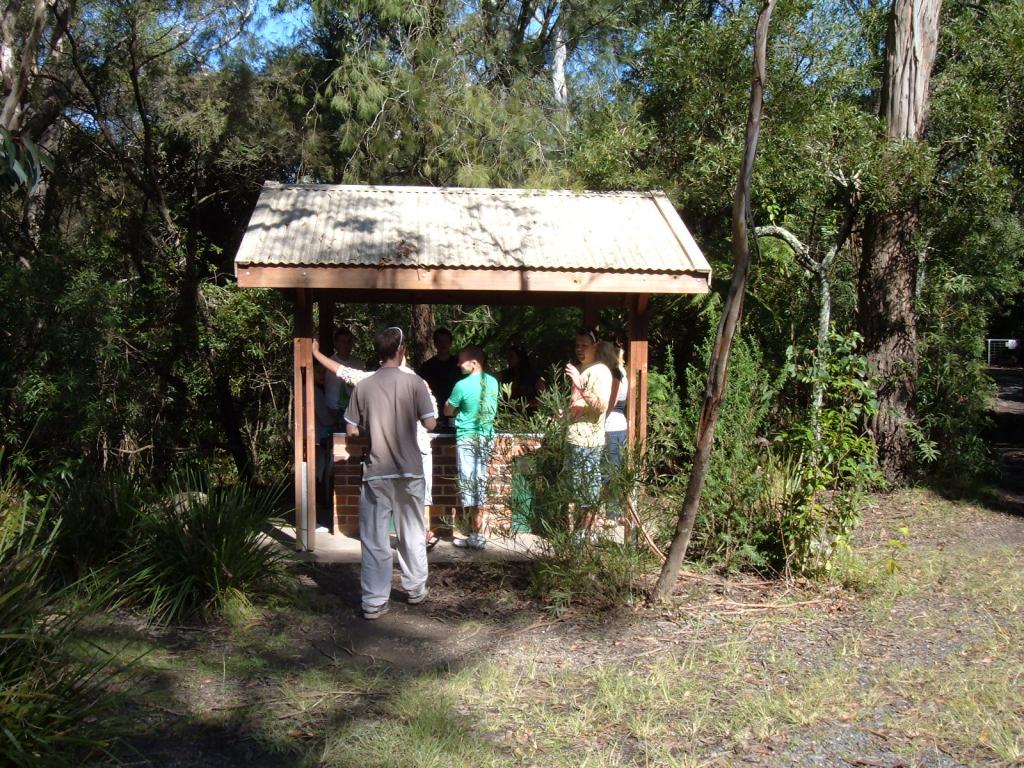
point(636, 407)
point(304, 431)
point(636, 403)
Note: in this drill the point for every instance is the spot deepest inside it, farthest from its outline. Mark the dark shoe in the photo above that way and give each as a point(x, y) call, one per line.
point(432, 541)
point(371, 614)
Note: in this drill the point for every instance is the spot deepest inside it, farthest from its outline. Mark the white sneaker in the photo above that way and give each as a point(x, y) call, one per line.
point(462, 543)
point(477, 541)
point(374, 613)
point(417, 599)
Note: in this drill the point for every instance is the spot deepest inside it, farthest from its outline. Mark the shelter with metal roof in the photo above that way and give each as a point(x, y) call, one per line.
point(430, 245)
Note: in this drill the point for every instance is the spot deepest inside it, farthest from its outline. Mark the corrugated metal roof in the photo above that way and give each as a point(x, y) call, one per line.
point(339, 225)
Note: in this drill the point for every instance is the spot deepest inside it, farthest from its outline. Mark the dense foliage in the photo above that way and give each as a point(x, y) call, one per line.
point(135, 145)
point(51, 687)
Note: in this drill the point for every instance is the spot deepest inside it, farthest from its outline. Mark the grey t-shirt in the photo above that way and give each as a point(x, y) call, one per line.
point(387, 406)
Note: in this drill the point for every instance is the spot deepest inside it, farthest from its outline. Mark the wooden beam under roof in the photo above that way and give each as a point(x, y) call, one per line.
point(462, 280)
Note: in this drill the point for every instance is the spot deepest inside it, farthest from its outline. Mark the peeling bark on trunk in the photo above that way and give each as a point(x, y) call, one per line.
point(558, 66)
point(889, 264)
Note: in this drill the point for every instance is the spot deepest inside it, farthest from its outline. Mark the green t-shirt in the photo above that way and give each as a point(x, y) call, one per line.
point(475, 400)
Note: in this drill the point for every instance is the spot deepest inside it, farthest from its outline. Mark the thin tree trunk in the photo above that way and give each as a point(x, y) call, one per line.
point(804, 259)
point(889, 262)
point(561, 90)
point(423, 330)
point(731, 313)
point(12, 107)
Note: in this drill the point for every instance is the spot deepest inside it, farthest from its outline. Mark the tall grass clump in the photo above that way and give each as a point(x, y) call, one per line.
point(99, 516)
point(204, 550)
point(49, 683)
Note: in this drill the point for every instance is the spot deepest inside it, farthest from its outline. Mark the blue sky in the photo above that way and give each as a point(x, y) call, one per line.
point(278, 28)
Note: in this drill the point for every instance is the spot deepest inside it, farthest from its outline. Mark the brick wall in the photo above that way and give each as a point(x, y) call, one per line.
point(348, 456)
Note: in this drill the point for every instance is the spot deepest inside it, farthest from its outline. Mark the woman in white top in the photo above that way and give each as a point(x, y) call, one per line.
point(615, 425)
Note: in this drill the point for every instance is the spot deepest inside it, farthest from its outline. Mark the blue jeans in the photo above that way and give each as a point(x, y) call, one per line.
point(472, 456)
point(614, 448)
point(583, 466)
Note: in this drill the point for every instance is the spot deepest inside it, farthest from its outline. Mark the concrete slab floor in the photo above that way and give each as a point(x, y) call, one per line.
point(339, 548)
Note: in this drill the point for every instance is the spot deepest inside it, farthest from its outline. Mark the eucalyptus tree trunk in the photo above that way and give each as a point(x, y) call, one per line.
point(732, 311)
point(889, 261)
point(33, 94)
point(558, 66)
point(423, 330)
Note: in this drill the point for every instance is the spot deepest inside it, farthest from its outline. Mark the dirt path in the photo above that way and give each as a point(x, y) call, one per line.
point(1008, 434)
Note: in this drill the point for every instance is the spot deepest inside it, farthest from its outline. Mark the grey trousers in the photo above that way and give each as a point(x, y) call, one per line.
point(380, 500)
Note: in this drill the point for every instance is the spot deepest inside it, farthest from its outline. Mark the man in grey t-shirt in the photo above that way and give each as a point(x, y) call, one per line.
point(386, 407)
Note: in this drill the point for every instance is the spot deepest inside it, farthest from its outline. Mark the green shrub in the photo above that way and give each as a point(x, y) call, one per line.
point(822, 466)
point(572, 568)
point(726, 532)
point(201, 551)
point(669, 444)
point(47, 689)
point(954, 392)
point(99, 516)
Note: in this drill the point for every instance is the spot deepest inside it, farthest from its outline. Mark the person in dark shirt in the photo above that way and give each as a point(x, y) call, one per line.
point(441, 371)
point(525, 383)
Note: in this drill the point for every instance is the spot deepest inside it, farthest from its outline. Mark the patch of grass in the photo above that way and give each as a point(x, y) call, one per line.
point(422, 726)
point(972, 704)
point(803, 701)
point(933, 650)
point(667, 711)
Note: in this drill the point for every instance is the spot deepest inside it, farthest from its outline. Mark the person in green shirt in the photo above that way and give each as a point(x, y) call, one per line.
point(474, 404)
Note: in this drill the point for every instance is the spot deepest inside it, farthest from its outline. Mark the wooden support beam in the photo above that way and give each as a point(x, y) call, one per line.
point(351, 278)
point(473, 298)
point(636, 404)
point(636, 408)
point(298, 441)
point(304, 426)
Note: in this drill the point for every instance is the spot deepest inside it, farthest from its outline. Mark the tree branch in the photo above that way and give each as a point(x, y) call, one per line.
point(799, 249)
